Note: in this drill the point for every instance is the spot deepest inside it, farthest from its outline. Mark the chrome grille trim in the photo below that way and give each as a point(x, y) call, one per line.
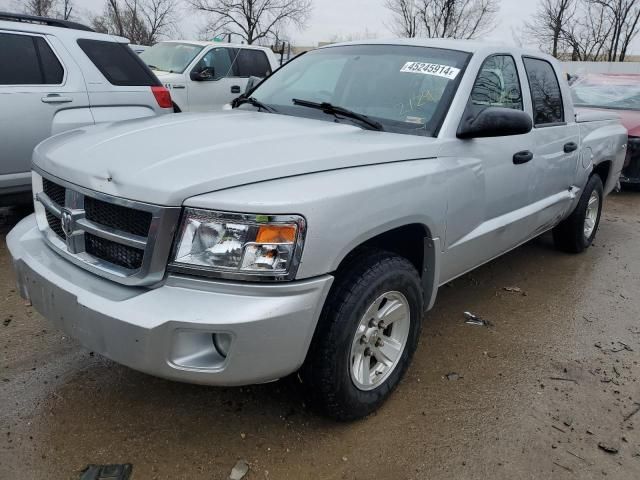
point(156, 245)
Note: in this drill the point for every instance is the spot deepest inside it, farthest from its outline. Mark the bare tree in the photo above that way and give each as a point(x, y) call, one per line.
point(143, 22)
point(586, 29)
point(457, 18)
point(41, 8)
point(587, 35)
point(443, 18)
point(405, 22)
point(623, 15)
point(550, 23)
point(66, 9)
point(253, 20)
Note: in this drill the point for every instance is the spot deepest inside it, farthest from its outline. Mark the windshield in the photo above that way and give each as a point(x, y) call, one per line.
point(170, 56)
point(406, 89)
point(616, 94)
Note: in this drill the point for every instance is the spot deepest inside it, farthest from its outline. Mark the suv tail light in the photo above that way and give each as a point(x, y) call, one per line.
point(163, 96)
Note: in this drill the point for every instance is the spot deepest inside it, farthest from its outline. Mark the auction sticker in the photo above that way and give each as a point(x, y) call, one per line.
point(431, 69)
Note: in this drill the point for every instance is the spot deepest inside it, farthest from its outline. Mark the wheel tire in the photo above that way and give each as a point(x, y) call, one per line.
point(569, 235)
point(326, 374)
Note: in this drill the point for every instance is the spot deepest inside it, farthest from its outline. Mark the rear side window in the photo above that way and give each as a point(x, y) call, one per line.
point(37, 63)
point(545, 92)
point(252, 63)
point(118, 63)
point(51, 68)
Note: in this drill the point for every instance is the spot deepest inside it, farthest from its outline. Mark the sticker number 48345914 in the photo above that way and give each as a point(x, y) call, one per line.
point(431, 69)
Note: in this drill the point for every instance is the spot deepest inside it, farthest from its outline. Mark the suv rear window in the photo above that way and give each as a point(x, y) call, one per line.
point(118, 63)
point(252, 63)
point(38, 64)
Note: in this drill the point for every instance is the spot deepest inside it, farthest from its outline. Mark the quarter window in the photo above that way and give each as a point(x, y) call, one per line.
point(497, 84)
point(38, 64)
point(118, 63)
point(545, 92)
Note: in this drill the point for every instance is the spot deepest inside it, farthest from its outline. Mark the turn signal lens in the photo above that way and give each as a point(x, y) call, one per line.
point(276, 234)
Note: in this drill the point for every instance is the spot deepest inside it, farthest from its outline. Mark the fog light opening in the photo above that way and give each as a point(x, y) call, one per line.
point(222, 342)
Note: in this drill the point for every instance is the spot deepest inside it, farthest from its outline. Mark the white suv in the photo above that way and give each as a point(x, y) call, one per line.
point(59, 75)
point(205, 76)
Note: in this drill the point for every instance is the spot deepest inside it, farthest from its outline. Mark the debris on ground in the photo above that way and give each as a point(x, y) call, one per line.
point(632, 413)
point(453, 376)
point(473, 319)
point(240, 469)
point(563, 379)
point(6, 321)
point(608, 447)
point(111, 472)
point(515, 290)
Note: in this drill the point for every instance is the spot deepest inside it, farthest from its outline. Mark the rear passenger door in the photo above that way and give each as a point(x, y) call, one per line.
point(42, 93)
point(556, 142)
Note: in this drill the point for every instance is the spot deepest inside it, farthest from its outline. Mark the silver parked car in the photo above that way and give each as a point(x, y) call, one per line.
point(310, 228)
point(56, 76)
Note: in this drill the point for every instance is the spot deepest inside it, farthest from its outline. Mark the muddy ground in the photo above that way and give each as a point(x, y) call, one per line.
point(536, 393)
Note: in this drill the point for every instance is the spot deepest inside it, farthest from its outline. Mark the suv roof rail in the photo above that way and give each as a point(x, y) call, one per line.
point(52, 22)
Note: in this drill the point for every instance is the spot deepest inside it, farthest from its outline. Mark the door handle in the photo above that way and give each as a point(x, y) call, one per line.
point(55, 98)
point(570, 147)
point(522, 157)
point(235, 89)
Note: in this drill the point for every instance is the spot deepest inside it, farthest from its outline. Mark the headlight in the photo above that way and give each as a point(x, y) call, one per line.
point(239, 246)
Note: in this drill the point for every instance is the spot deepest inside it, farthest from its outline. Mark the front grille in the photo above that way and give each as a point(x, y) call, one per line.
point(123, 240)
point(55, 192)
point(54, 224)
point(112, 252)
point(118, 217)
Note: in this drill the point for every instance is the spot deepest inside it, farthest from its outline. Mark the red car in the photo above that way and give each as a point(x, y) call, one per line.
point(619, 92)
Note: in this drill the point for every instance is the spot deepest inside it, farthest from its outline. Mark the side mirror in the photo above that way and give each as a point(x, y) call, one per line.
point(494, 122)
point(207, 73)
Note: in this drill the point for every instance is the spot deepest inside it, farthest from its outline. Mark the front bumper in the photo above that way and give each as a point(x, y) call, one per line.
point(167, 331)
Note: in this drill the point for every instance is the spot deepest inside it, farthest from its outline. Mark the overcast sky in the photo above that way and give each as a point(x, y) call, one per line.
point(341, 18)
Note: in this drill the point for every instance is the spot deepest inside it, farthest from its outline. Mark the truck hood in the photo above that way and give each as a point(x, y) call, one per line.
point(167, 159)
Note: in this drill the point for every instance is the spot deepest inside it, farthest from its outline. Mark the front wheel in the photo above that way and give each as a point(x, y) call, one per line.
point(576, 233)
point(366, 336)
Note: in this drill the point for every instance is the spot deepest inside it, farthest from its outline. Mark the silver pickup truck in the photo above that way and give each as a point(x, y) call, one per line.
point(308, 229)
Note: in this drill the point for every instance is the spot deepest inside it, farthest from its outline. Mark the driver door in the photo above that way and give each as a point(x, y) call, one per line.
point(488, 204)
point(216, 85)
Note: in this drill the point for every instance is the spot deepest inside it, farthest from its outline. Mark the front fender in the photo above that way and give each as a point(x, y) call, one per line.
point(345, 208)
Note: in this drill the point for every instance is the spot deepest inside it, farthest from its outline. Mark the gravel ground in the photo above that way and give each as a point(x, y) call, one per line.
point(541, 393)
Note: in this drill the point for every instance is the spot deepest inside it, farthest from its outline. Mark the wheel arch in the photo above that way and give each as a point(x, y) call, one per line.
point(413, 241)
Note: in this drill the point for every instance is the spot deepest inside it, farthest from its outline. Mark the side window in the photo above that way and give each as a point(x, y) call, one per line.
point(216, 62)
point(497, 84)
point(118, 63)
point(252, 63)
point(545, 92)
point(37, 66)
point(51, 69)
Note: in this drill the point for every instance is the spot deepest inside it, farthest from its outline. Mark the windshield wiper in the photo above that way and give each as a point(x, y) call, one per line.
point(153, 67)
point(254, 102)
point(336, 110)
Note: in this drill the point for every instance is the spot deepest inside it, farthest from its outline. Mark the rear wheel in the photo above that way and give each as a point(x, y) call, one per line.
point(576, 233)
point(366, 336)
